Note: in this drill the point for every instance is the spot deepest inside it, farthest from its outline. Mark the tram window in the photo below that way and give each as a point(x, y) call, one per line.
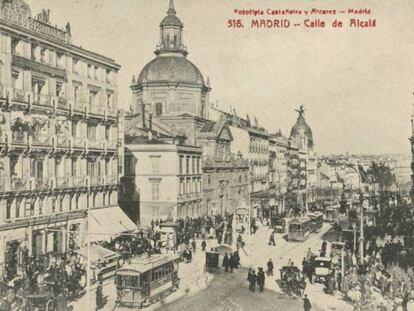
point(295, 227)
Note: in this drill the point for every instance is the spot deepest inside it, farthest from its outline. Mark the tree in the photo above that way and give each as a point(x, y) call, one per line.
point(380, 174)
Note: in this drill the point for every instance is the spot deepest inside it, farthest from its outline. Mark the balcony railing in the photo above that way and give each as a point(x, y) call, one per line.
point(62, 141)
point(19, 138)
point(95, 144)
point(78, 142)
point(78, 181)
point(41, 183)
point(79, 106)
point(63, 182)
point(19, 94)
point(111, 144)
point(111, 112)
point(95, 180)
point(111, 179)
point(62, 103)
point(2, 184)
point(42, 139)
point(18, 183)
point(42, 100)
point(95, 109)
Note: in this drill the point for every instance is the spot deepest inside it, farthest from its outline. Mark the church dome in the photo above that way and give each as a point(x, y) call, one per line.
point(171, 20)
point(302, 128)
point(175, 69)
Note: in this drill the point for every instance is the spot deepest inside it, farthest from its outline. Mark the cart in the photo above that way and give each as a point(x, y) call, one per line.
point(43, 301)
point(212, 261)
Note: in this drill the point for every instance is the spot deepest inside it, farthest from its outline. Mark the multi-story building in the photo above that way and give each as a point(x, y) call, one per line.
point(301, 136)
point(163, 172)
point(278, 148)
point(225, 175)
point(58, 136)
point(252, 141)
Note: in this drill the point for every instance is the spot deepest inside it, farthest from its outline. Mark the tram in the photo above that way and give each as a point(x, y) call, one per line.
point(316, 220)
point(146, 280)
point(299, 229)
point(332, 213)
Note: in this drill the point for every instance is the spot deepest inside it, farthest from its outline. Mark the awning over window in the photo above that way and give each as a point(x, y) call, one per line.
point(109, 222)
point(98, 252)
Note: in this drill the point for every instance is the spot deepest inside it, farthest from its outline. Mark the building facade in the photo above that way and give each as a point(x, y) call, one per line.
point(278, 178)
point(58, 136)
point(225, 175)
point(162, 172)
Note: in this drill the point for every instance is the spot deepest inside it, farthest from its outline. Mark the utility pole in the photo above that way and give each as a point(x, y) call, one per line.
point(88, 253)
point(361, 236)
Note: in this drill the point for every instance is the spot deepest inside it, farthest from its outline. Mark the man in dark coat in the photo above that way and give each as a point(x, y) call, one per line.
point(251, 277)
point(203, 245)
point(226, 262)
point(260, 279)
point(306, 304)
point(99, 296)
point(323, 248)
point(270, 267)
point(272, 239)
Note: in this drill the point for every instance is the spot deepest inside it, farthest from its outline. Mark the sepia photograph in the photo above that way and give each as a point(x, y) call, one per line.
point(206, 155)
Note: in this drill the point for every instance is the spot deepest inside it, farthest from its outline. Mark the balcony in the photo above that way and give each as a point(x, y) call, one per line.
point(111, 144)
point(79, 106)
point(95, 109)
point(18, 183)
point(19, 138)
point(78, 181)
point(62, 103)
point(95, 180)
point(63, 182)
point(19, 95)
point(62, 141)
point(78, 142)
point(41, 183)
point(95, 144)
point(111, 112)
point(42, 100)
point(111, 180)
point(2, 184)
point(42, 140)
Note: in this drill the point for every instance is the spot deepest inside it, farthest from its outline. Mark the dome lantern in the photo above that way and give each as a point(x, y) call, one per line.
point(171, 34)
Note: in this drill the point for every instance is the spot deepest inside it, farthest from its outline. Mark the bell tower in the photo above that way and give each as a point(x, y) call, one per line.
point(171, 35)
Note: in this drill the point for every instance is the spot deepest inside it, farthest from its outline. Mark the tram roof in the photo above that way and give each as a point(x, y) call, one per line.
point(299, 220)
point(144, 264)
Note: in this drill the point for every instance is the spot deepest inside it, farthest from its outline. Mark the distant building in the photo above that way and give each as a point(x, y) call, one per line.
point(225, 175)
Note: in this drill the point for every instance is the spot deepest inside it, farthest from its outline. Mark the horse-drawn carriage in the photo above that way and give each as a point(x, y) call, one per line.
point(44, 301)
point(292, 280)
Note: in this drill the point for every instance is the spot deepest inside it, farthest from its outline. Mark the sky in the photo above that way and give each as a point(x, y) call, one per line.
point(356, 84)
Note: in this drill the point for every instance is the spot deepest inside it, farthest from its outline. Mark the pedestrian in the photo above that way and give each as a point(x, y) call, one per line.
point(272, 239)
point(339, 280)
point(61, 303)
point(270, 267)
point(203, 245)
point(233, 262)
point(323, 248)
point(226, 263)
point(304, 265)
point(309, 255)
point(405, 300)
point(194, 245)
point(253, 280)
point(306, 303)
point(260, 279)
point(250, 279)
point(99, 296)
